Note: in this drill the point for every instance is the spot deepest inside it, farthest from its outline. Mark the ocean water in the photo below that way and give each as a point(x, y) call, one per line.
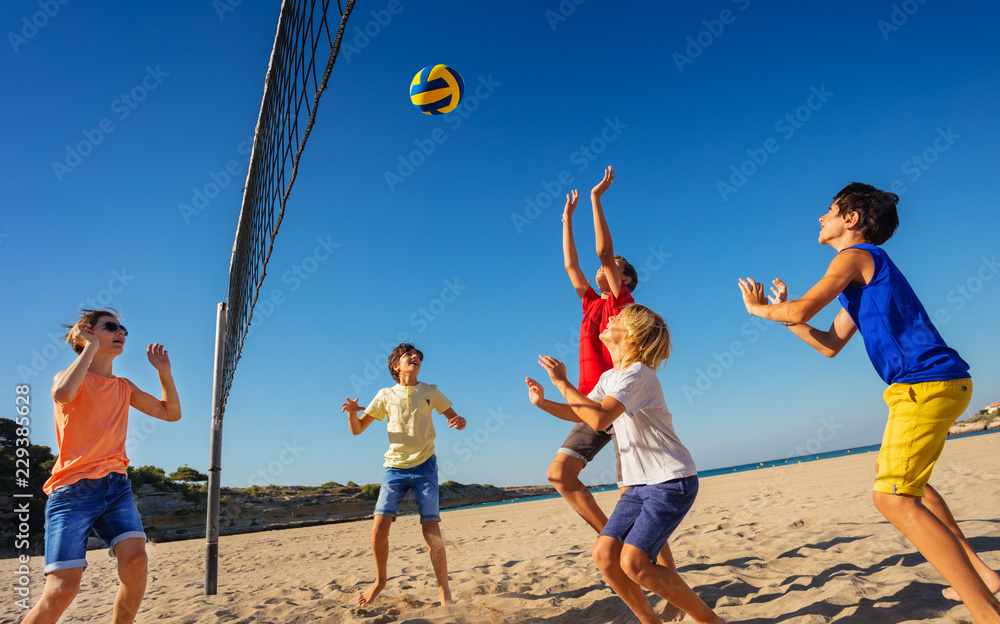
point(741, 468)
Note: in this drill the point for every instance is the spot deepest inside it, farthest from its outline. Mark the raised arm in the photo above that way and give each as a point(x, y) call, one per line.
point(570, 260)
point(67, 383)
point(168, 406)
point(357, 425)
point(849, 266)
point(602, 235)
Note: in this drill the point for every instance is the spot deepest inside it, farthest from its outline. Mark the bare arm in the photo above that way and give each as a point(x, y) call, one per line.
point(829, 343)
point(570, 260)
point(67, 383)
point(602, 234)
point(848, 266)
point(357, 425)
point(168, 407)
point(454, 420)
point(578, 407)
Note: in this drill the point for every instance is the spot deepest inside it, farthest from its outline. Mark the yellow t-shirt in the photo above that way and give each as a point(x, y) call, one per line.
point(407, 412)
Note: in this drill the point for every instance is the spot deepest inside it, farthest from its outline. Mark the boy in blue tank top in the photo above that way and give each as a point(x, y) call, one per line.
point(929, 383)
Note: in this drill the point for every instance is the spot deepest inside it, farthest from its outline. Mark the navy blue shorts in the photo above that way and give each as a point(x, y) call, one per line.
point(646, 515)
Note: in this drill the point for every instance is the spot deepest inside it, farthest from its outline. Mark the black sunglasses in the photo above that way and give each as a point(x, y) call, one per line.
point(113, 327)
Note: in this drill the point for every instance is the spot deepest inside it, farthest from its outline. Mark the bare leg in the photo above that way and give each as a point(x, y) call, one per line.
point(439, 559)
point(937, 505)
point(60, 589)
point(670, 613)
point(624, 566)
point(132, 573)
point(942, 550)
point(380, 550)
point(564, 475)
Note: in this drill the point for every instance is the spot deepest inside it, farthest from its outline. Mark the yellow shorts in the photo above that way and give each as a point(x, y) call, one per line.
point(920, 415)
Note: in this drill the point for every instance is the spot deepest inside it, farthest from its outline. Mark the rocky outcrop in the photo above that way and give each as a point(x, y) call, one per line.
point(167, 516)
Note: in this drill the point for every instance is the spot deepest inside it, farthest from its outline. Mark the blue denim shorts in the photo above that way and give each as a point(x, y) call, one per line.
point(104, 505)
point(423, 479)
point(646, 515)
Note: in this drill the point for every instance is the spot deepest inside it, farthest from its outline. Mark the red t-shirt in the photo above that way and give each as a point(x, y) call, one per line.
point(594, 356)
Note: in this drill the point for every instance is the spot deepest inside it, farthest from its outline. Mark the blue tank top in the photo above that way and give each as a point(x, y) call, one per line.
point(902, 343)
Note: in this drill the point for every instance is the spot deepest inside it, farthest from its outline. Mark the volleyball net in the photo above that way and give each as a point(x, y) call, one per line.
point(305, 49)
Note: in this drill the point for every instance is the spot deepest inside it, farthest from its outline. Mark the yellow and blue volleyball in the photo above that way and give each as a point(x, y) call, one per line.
point(437, 89)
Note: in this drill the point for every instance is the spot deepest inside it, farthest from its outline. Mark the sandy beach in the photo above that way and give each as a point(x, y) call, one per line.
point(799, 544)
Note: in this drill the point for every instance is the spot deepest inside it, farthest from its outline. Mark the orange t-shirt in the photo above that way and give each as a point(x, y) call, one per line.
point(91, 432)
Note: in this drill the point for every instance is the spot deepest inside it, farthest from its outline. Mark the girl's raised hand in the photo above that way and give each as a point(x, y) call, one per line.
point(158, 357)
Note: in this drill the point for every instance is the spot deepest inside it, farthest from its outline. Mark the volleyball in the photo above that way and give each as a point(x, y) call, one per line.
point(437, 89)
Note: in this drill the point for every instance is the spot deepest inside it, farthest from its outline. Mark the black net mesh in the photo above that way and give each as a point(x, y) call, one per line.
point(296, 78)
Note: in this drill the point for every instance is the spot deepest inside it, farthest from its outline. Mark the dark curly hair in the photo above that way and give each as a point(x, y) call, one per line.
point(397, 353)
point(876, 210)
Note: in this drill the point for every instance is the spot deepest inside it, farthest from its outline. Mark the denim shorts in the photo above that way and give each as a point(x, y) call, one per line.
point(423, 479)
point(104, 505)
point(646, 515)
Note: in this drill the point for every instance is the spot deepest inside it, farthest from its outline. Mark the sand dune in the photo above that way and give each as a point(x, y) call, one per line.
point(798, 544)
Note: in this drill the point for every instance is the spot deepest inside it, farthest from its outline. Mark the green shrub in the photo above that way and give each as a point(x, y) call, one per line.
point(371, 490)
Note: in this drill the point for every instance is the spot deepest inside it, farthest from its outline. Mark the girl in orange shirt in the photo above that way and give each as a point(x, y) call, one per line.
point(89, 488)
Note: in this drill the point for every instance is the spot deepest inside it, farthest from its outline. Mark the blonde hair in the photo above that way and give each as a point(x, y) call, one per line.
point(648, 338)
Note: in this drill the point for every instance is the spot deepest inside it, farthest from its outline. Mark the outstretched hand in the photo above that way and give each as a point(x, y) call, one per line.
point(571, 198)
point(779, 292)
point(609, 177)
point(555, 368)
point(753, 294)
point(456, 422)
point(351, 406)
point(158, 357)
point(536, 394)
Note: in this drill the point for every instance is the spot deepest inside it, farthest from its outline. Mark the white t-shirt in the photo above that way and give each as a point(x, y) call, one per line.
point(649, 449)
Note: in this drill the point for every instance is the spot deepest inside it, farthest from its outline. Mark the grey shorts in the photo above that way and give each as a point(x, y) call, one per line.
point(584, 443)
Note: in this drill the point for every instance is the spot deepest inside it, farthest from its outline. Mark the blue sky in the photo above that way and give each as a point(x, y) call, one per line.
point(730, 126)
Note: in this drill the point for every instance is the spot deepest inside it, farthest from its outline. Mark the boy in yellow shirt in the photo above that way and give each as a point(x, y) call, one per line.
point(410, 461)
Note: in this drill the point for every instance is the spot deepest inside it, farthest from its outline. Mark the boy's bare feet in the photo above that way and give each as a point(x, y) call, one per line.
point(990, 578)
point(445, 595)
point(369, 596)
point(671, 613)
